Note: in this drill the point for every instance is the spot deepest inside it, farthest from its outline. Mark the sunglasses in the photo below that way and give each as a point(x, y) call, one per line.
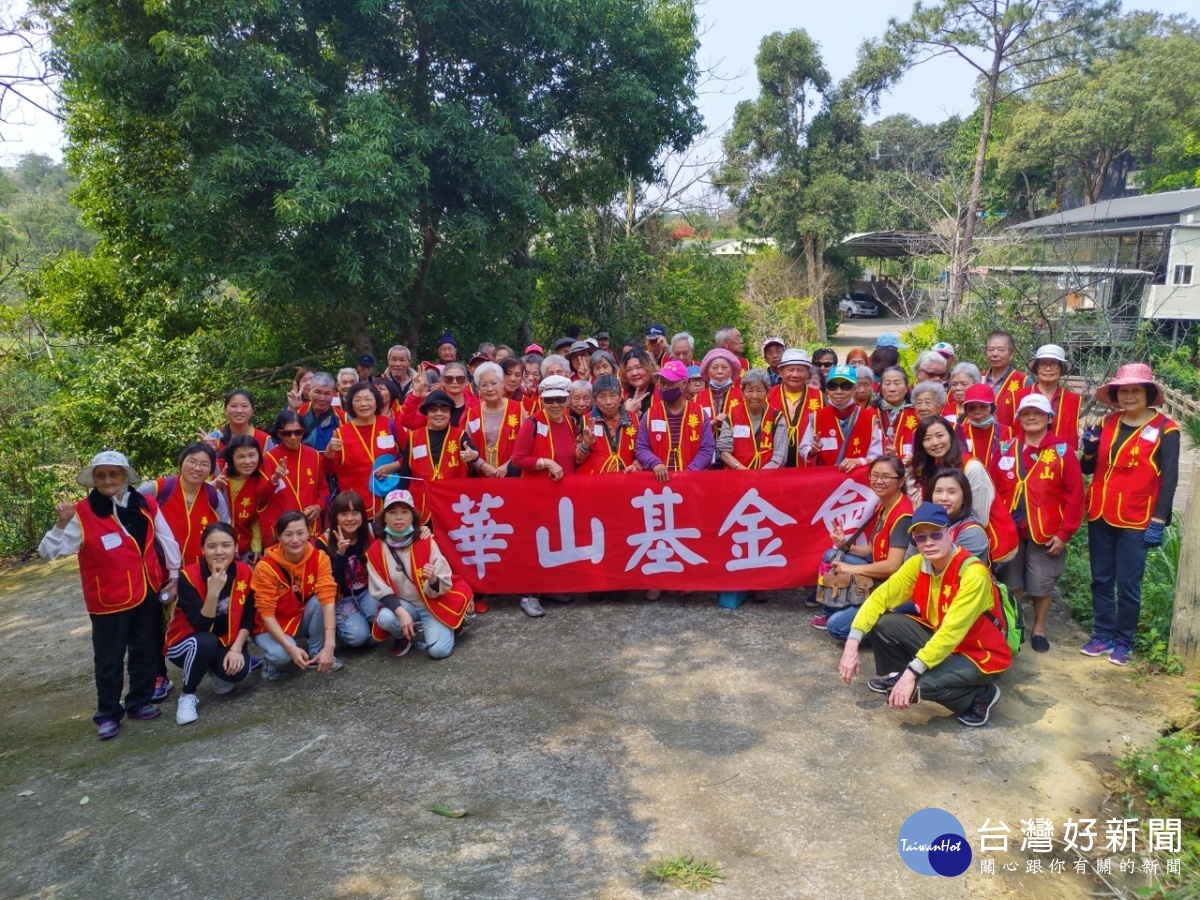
point(925, 537)
point(824, 365)
point(546, 400)
point(454, 379)
point(292, 432)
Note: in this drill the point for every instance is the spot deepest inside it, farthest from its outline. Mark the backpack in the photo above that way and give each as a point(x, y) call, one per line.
point(1013, 624)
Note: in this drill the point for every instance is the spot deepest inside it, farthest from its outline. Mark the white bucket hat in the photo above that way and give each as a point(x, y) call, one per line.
point(1050, 351)
point(108, 458)
point(1036, 400)
point(795, 357)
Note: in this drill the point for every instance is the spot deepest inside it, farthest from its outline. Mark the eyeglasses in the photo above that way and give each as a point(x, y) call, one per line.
point(839, 386)
point(884, 478)
point(824, 365)
point(292, 432)
point(546, 400)
point(454, 379)
point(925, 537)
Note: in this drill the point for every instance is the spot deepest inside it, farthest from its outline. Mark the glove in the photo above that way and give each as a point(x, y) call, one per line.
point(1091, 440)
point(1154, 534)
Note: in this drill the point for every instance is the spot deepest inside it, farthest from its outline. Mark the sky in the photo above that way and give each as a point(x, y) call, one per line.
point(732, 30)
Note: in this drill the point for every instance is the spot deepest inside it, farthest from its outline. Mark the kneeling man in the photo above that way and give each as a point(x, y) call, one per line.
point(949, 646)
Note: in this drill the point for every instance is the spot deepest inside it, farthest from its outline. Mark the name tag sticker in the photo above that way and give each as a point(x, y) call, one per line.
point(907, 449)
point(1007, 463)
point(658, 425)
point(111, 541)
point(281, 486)
point(1149, 434)
point(543, 429)
point(741, 431)
point(473, 426)
point(385, 441)
point(420, 451)
point(598, 430)
point(828, 443)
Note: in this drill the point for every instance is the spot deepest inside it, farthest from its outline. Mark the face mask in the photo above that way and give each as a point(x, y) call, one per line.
point(986, 423)
point(398, 535)
point(671, 394)
point(721, 385)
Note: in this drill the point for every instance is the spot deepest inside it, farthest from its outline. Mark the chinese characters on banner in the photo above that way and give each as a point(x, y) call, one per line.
point(703, 531)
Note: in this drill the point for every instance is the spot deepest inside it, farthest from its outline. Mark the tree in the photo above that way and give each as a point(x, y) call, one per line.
point(791, 154)
point(1012, 44)
point(345, 161)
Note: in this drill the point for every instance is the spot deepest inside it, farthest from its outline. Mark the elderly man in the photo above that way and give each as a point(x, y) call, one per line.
point(729, 338)
point(319, 416)
point(772, 349)
point(447, 349)
point(364, 366)
point(683, 348)
point(399, 370)
point(952, 647)
point(1003, 379)
point(656, 343)
point(795, 399)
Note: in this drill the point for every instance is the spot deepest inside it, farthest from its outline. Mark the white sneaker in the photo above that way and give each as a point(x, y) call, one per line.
point(185, 709)
point(220, 686)
point(532, 607)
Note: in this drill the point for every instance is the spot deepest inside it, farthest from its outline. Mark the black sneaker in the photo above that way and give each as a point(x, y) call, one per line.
point(981, 706)
point(885, 684)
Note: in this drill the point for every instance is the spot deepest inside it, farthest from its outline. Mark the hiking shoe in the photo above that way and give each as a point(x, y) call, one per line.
point(185, 709)
point(270, 670)
point(144, 713)
point(1096, 647)
point(885, 684)
point(108, 729)
point(821, 623)
point(532, 607)
point(481, 605)
point(255, 663)
point(1040, 643)
point(981, 706)
point(162, 687)
point(400, 646)
point(337, 663)
point(221, 687)
point(1120, 655)
point(809, 596)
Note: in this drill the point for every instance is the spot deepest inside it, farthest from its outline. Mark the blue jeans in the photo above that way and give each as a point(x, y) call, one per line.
point(1118, 561)
point(439, 640)
point(355, 613)
point(312, 624)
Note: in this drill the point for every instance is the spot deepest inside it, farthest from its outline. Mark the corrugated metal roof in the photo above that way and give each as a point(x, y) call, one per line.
point(1171, 203)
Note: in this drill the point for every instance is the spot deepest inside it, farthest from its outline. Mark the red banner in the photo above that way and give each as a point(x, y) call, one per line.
point(703, 531)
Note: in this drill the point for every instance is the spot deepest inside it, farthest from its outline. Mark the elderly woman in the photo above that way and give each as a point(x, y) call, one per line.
point(864, 386)
point(365, 446)
point(962, 377)
point(858, 356)
point(554, 364)
point(210, 628)
point(928, 399)
point(454, 380)
point(612, 437)
point(1049, 366)
point(978, 430)
point(603, 363)
point(718, 369)
point(438, 451)
point(841, 433)
point(579, 357)
point(753, 439)
point(492, 425)
point(579, 407)
point(119, 534)
point(930, 366)
point(511, 369)
point(531, 375)
point(897, 420)
point(1134, 460)
point(876, 549)
point(546, 446)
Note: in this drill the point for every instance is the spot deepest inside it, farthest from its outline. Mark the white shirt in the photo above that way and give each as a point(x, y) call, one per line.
point(60, 542)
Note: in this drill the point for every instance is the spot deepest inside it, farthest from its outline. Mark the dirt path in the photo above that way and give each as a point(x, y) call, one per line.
point(583, 746)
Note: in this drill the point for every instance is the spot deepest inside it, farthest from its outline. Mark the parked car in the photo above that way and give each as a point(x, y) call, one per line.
point(853, 305)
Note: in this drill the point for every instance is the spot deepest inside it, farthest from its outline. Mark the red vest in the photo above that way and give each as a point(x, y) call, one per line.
point(543, 444)
point(898, 431)
point(676, 458)
point(984, 443)
point(884, 522)
point(1003, 538)
point(289, 609)
point(187, 522)
point(951, 412)
point(1006, 396)
point(424, 468)
point(1043, 484)
point(754, 450)
point(983, 644)
point(260, 438)
point(243, 509)
point(603, 457)
point(303, 486)
point(797, 420)
point(732, 400)
point(116, 576)
point(449, 608)
point(499, 453)
point(361, 447)
point(1125, 486)
point(1065, 424)
point(828, 440)
point(336, 409)
point(239, 596)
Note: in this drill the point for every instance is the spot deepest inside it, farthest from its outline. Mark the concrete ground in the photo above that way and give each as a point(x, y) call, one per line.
point(582, 746)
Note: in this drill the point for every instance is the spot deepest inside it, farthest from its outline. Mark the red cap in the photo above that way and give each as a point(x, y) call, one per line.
point(979, 393)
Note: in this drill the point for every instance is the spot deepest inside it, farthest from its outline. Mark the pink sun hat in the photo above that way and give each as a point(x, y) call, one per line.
point(1132, 373)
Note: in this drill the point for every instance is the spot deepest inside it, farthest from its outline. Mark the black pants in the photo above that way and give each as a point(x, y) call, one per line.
point(134, 632)
point(896, 638)
point(201, 653)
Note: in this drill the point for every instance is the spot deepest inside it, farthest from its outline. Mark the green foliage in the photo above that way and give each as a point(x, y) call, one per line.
point(685, 871)
point(920, 338)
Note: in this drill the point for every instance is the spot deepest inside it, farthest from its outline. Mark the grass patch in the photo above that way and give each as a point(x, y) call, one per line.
point(685, 871)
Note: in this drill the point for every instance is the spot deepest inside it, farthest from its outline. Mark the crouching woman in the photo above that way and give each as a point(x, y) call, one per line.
point(211, 627)
point(409, 576)
point(294, 598)
point(952, 649)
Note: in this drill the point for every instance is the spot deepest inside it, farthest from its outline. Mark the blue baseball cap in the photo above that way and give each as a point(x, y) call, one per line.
point(890, 339)
point(842, 373)
point(929, 513)
point(656, 330)
point(693, 372)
